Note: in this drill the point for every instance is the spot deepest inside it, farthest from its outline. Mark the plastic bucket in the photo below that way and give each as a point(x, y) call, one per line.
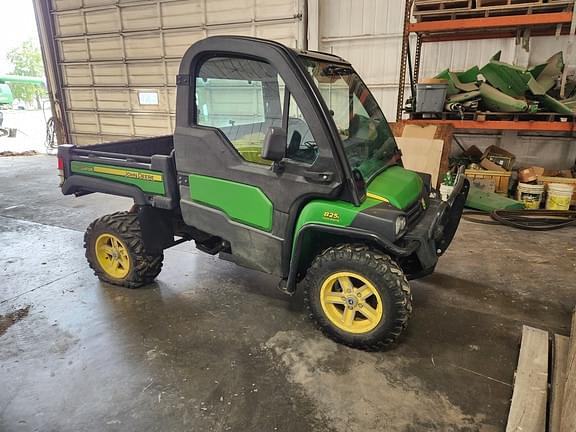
point(445, 191)
point(530, 195)
point(559, 196)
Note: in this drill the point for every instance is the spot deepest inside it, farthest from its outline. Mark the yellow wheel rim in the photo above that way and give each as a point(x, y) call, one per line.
point(351, 302)
point(112, 255)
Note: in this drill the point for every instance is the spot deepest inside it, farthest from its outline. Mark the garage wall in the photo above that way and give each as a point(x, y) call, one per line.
point(369, 34)
point(113, 56)
point(122, 56)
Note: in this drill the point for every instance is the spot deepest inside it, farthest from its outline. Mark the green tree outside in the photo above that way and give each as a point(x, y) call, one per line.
point(27, 61)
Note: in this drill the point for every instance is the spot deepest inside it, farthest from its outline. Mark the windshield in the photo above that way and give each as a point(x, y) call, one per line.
point(367, 139)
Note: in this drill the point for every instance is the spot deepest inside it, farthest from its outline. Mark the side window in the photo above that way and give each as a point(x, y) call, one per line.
point(242, 98)
point(301, 144)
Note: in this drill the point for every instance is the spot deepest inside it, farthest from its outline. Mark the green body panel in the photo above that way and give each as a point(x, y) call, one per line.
point(5, 94)
point(241, 202)
point(509, 79)
point(488, 201)
point(400, 187)
point(560, 107)
point(148, 181)
point(469, 76)
point(497, 101)
point(336, 213)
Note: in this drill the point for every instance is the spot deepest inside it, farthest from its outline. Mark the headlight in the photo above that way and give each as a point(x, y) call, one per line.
point(399, 225)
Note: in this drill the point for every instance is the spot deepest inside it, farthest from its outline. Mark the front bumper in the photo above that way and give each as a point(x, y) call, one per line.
point(435, 230)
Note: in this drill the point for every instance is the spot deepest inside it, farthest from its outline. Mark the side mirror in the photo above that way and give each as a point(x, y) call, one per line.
point(274, 148)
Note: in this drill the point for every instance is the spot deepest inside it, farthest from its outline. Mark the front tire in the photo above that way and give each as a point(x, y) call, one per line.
point(358, 296)
point(115, 251)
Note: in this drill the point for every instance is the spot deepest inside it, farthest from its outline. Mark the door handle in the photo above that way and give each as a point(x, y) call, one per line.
point(319, 177)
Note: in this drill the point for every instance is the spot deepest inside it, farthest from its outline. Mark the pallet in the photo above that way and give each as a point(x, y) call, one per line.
point(423, 6)
point(487, 8)
point(489, 3)
point(543, 365)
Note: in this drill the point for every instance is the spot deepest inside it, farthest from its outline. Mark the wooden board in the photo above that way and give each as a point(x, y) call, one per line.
point(443, 132)
point(422, 155)
point(559, 361)
point(568, 421)
point(528, 409)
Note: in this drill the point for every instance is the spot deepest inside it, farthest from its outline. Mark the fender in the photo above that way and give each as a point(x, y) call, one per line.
point(350, 234)
point(82, 185)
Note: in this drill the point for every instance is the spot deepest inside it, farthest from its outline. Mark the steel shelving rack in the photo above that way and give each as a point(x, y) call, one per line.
point(471, 28)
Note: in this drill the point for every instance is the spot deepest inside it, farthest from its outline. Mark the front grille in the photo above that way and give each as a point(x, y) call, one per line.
point(414, 212)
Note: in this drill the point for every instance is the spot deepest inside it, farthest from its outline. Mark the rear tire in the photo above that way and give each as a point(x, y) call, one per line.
point(115, 251)
point(358, 296)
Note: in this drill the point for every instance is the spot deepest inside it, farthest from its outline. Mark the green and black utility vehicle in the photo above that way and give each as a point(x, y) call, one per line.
point(281, 161)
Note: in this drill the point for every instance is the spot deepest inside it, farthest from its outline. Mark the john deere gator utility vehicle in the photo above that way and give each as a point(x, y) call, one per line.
point(281, 161)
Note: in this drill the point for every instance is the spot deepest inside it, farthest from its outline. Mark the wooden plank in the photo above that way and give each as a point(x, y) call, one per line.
point(568, 421)
point(560, 360)
point(528, 409)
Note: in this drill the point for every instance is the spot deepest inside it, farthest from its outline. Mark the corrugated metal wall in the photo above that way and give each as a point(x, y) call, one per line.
point(116, 54)
point(369, 34)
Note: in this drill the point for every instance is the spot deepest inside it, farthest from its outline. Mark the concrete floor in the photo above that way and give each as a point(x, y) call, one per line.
point(214, 347)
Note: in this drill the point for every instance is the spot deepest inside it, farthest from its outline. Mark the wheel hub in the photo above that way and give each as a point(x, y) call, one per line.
point(351, 302)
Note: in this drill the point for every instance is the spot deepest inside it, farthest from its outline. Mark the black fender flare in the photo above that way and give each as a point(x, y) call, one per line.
point(354, 234)
point(81, 185)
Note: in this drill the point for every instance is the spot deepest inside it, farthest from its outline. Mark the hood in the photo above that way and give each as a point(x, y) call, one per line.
point(399, 186)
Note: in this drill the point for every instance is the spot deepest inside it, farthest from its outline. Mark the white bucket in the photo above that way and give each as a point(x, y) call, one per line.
point(530, 195)
point(445, 191)
point(559, 196)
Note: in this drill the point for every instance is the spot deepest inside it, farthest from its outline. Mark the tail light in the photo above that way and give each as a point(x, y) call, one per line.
point(61, 170)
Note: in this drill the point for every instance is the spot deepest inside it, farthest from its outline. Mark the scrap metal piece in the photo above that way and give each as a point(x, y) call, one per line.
point(551, 72)
point(466, 87)
point(445, 75)
point(498, 101)
point(557, 106)
point(469, 76)
point(463, 97)
point(509, 79)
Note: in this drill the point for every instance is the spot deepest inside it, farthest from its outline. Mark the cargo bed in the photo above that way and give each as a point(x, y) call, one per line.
point(143, 169)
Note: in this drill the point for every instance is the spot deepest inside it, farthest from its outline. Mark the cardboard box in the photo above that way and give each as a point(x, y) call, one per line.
point(530, 174)
point(488, 165)
point(499, 156)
